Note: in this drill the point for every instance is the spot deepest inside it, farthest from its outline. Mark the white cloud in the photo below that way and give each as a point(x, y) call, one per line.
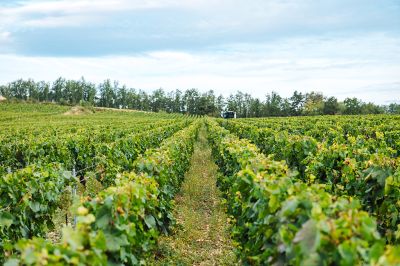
point(361, 64)
point(5, 40)
point(342, 68)
point(76, 12)
point(82, 6)
point(215, 15)
point(5, 35)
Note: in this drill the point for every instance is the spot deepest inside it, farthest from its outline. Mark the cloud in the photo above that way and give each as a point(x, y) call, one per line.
point(5, 41)
point(4, 36)
point(106, 27)
point(366, 67)
point(342, 48)
point(71, 13)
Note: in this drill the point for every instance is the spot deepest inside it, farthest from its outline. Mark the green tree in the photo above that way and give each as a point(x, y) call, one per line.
point(144, 101)
point(107, 95)
point(74, 91)
point(352, 106)
point(220, 104)
point(33, 91)
point(5, 91)
point(296, 103)
point(370, 108)
point(285, 107)
point(255, 109)
point(314, 103)
point(44, 91)
point(273, 104)
point(89, 92)
point(231, 104)
point(190, 99)
point(393, 108)
point(18, 90)
point(206, 104)
point(246, 106)
point(331, 106)
point(132, 99)
point(122, 97)
point(57, 89)
point(177, 102)
point(158, 100)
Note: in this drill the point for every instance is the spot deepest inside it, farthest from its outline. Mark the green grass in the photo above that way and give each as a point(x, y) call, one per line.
point(201, 236)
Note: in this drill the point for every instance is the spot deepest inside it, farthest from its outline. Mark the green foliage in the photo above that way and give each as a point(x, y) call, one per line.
point(120, 225)
point(314, 104)
point(28, 199)
point(167, 165)
point(355, 160)
point(324, 190)
point(111, 229)
point(352, 106)
point(112, 95)
point(331, 106)
point(102, 151)
point(279, 219)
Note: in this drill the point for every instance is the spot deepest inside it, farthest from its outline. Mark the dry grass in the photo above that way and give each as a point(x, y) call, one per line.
point(100, 109)
point(201, 237)
point(79, 110)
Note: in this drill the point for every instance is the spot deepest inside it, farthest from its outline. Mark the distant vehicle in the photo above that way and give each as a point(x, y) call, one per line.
point(228, 114)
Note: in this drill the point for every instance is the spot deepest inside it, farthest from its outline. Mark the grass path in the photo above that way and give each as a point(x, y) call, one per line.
point(201, 236)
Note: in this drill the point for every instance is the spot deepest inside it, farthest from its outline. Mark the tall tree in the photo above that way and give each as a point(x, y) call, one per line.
point(220, 104)
point(296, 103)
point(352, 106)
point(273, 104)
point(107, 96)
point(314, 103)
point(285, 107)
point(370, 108)
point(331, 106)
point(255, 109)
point(158, 100)
point(144, 101)
point(18, 90)
point(207, 104)
point(5, 91)
point(231, 104)
point(393, 108)
point(89, 91)
point(57, 89)
point(33, 92)
point(191, 98)
point(44, 91)
point(191, 101)
point(177, 102)
point(122, 97)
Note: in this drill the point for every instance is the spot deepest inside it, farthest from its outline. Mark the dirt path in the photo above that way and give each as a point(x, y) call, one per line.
point(201, 236)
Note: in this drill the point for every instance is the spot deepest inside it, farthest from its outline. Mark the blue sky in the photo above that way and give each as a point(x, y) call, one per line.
point(341, 48)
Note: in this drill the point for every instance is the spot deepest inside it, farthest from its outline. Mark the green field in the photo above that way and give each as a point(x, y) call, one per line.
point(86, 186)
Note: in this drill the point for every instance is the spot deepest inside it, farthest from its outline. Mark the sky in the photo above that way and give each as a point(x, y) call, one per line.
point(342, 48)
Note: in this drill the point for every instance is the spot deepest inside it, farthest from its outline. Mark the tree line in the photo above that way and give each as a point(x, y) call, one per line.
point(191, 101)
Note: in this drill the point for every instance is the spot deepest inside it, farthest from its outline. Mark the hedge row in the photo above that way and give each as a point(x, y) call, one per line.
point(85, 152)
point(361, 167)
point(120, 225)
point(280, 220)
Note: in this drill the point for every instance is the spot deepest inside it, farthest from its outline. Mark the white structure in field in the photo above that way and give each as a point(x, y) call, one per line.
point(228, 114)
